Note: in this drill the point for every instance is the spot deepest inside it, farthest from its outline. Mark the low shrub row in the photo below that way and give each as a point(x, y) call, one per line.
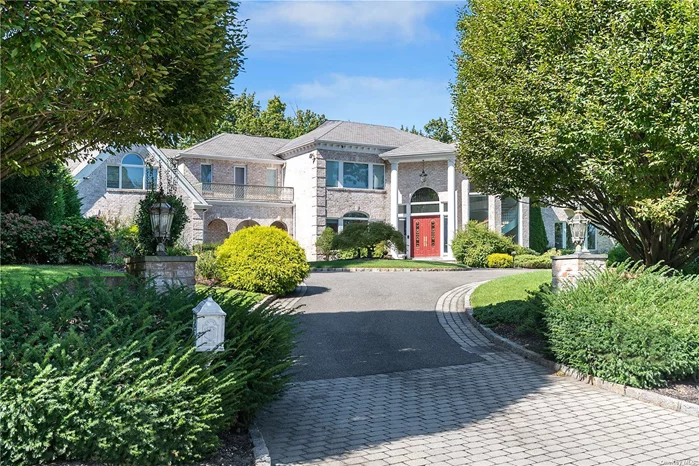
point(110, 375)
point(76, 240)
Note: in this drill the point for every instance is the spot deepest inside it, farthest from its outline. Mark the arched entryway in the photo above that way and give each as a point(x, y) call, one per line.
point(280, 225)
point(246, 224)
point(216, 232)
point(425, 223)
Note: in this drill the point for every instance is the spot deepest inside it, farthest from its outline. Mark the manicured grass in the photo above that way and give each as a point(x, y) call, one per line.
point(384, 264)
point(52, 274)
point(510, 288)
point(229, 292)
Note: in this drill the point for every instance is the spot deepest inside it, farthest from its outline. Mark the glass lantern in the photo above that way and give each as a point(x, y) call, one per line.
point(578, 230)
point(161, 214)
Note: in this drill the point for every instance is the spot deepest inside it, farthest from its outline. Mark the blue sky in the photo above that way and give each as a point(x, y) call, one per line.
point(382, 62)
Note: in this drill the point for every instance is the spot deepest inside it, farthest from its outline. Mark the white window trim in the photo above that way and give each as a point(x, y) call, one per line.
point(596, 237)
point(341, 223)
point(370, 183)
point(245, 174)
point(145, 167)
point(564, 233)
point(211, 171)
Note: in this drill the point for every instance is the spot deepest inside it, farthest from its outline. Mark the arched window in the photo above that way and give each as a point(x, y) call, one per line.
point(424, 200)
point(246, 224)
point(216, 231)
point(279, 225)
point(132, 173)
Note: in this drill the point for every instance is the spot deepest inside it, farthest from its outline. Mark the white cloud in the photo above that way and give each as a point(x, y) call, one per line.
point(315, 24)
point(370, 99)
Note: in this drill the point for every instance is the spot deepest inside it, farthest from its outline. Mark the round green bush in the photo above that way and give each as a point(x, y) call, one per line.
point(617, 255)
point(473, 245)
point(83, 241)
point(499, 261)
point(262, 259)
point(530, 261)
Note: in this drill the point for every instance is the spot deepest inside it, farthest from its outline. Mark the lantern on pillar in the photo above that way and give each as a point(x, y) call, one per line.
point(423, 174)
point(578, 230)
point(161, 214)
point(209, 326)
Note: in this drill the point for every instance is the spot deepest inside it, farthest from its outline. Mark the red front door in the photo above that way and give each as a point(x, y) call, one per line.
point(424, 234)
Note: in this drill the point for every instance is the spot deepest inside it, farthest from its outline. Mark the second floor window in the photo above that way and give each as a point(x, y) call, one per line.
point(132, 173)
point(354, 175)
point(207, 174)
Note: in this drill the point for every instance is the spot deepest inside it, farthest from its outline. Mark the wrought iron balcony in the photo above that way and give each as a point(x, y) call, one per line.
point(245, 192)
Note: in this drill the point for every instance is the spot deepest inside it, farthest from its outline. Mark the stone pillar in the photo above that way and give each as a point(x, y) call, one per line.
point(197, 224)
point(523, 225)
point(566, 270)
point(495, 213)
point(394, 194)
point(451, 206)
point(319, 207)
point(465, 202)
point(164, 271)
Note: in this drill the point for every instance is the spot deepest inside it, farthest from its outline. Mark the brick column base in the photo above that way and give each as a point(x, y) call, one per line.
point(567, 269)
point(165, 271)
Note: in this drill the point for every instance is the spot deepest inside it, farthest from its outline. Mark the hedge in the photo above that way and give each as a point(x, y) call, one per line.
point(631, 325)
point(499, 261)
point(530, 261)
point(473, 245)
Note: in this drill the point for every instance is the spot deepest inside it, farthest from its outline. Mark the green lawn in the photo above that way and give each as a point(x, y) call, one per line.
point(231, 292)
point(384, 264)
point(52, 274)
point(510, 288)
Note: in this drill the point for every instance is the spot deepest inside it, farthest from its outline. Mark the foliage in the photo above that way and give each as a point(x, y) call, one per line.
point(587, 102)
point(205, 268)
point(367, 235)
point(81, 75)
point(26, 276)
point(438, 129)
point(631, 325)
point(109, 374)
point(82, 241)
point(538, 240)
point(262, 259)
point(147, 244)
point(26, 240)
point(50, 195)
point(531, 261)
point(324, 243)
point(617, 255)
point(125, 244)
point(244, 115)
point(473, 245)
point(499, 261)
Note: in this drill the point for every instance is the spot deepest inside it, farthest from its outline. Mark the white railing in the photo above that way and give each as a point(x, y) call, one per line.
point(245, 192)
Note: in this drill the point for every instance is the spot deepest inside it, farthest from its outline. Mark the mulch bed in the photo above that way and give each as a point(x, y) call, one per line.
point(686, 390)
point(236, 450)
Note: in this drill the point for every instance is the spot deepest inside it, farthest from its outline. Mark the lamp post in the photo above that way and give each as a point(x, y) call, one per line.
point(578, 230)
point(161, 215)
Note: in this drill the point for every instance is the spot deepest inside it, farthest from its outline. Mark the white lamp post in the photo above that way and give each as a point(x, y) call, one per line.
point(578, 230)
point(161, 214)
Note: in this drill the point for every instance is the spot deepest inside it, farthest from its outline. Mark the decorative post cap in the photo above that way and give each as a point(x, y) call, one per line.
point(208, 307)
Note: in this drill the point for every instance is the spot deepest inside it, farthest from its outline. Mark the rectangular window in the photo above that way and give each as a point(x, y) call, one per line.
point(112, 177)
point(239, 180)
point(271, 177)
point(131, 178)
point(151, 178)
point(445, 234)
point(591, 237)
point(206, 174)
point(478, 207)
point(559, 235)
point(332, 223)
point(332, 173)
point(355, 175)
point(379, 175)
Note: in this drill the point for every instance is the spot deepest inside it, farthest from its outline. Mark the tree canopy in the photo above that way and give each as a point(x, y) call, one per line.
point(436, 128)
point(591, 103)
point(77, 76)
point(245, 115)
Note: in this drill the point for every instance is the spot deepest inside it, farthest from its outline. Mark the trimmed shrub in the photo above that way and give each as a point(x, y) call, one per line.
point(262, 259)
point(526, 316)
point(26, 240)
point(529, 261)
point(499, 261)
point(617, 255)
point(83, 241)
point(147, 244)
point(537, 231)
point(205, 267)
point(125, 244)
point(364, 237)
point(109, 374)
point(324, 243)
point(473, 245)
point(631, 325)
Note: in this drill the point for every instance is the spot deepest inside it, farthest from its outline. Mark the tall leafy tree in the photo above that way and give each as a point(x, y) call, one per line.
point(80, 75)
point(591, 103)
point(438, 128)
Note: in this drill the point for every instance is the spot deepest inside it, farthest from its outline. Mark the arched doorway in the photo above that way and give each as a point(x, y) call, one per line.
point(216, 232)
point(425, 223)
point(246, 224)
point(280, 225)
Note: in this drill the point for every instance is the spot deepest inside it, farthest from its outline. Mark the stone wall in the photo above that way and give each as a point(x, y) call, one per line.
point(566, 270)
point(301, 172)
point(222, 170)
point(234, 214)
point(165, 271)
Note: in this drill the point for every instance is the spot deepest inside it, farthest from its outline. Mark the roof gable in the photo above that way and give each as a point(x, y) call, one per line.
point(237, 146)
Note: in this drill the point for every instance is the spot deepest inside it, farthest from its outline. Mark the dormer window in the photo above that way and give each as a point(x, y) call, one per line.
point(133, 173)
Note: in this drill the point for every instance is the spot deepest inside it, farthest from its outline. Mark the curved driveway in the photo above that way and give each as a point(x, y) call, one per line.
point(381, 380)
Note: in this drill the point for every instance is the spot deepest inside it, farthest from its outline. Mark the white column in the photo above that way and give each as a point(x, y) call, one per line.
point(520, 223)
point(451, 207)
point(465, 202)
point(394, 200)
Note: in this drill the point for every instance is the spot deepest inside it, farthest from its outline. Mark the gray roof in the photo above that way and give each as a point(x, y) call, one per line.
point(353, 133)
point(421, 146)
point(170, 153)
point(238, 146)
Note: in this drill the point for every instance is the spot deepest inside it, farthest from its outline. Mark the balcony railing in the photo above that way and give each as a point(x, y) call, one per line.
point(245, 192)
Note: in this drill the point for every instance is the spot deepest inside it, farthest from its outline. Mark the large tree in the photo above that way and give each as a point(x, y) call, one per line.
point(591, 103)
point(245, 115)
point(79, 75)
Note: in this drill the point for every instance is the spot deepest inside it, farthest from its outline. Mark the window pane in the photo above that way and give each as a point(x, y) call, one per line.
point(355, 215)
point(478, 208)
point(356, 175)
point(151, 178)
point(206, 174)
point(569, 238)
point(445, 234)
point(558, 235)
point(332, 170)
point(271, 177)
point(424, 208)
point(239, 175)
point(425, 195)
point(132, 159)
point(112, 177)
point(379, 173)
point(332, 223)
point(131, 178)
point(591, 236)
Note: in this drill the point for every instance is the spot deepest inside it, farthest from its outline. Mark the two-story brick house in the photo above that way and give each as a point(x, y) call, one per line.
point(341, 172)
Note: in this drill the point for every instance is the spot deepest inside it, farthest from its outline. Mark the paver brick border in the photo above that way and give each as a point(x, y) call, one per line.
point(367, 269)
point(561, 369)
